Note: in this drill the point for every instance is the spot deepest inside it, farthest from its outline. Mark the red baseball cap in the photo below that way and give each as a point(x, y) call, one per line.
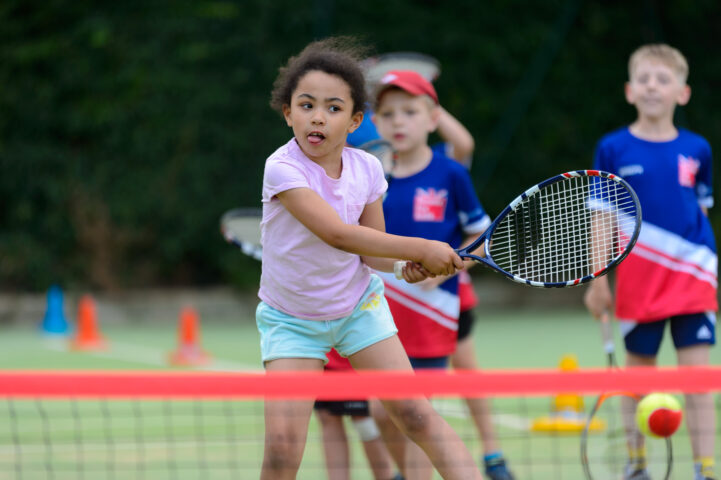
point(408, 80)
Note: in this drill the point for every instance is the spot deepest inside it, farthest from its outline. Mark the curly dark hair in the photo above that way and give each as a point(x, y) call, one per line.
point(340, 56)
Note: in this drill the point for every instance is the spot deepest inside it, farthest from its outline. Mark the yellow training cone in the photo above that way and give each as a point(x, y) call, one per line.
point(567, 416)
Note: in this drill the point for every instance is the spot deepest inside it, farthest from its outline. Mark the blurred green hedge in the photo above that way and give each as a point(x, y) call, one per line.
point(127, 128)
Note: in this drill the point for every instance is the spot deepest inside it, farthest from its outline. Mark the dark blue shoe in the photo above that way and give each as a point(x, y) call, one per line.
point(496, 469)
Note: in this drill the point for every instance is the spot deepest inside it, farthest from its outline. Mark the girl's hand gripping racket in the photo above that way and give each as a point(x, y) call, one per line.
point(565, 231)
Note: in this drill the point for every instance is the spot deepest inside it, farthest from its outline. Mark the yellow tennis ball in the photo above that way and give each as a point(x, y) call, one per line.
point(658, 415)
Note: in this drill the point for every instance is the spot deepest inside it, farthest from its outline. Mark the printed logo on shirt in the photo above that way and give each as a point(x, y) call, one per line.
point(628, 170)
point(372, 302)
point(687, 170)
point(430, 205)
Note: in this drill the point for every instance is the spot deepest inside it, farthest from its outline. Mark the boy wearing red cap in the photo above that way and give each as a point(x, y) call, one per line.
point(430, 196)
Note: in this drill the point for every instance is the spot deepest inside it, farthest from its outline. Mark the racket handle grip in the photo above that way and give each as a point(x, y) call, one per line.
point(607, 333)
point(398, 269)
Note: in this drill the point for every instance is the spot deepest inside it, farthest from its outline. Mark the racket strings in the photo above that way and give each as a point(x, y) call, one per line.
point(566, 230)
point(563, 213)
point(383, 151)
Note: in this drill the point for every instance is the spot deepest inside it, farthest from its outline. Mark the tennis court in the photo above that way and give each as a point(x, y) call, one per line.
point(219, 439)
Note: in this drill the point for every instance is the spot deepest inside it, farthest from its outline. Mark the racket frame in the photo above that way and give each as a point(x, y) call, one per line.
point(377, 66)
point(250, 248)
point(485, 238)
point(382, 150)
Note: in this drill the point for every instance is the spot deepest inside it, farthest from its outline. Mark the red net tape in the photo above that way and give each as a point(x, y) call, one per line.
point(342, 385)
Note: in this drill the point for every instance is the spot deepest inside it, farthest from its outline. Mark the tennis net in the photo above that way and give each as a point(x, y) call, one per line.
point(209, 425)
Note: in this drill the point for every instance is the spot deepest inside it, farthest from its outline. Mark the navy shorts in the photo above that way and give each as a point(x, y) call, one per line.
point(355, 408)
point(426, 363)
point(686, 331)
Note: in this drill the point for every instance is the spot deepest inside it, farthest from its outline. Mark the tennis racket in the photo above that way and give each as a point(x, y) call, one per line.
point(382, 150)
point(241, 227)
point(562, 232)
point(376, 67)
point(615, 439)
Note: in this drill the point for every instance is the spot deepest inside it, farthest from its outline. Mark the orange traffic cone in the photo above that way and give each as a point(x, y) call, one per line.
point(88, 335)
point(188, 353)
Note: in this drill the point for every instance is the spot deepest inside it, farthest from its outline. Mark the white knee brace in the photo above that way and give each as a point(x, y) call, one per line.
point(366, 428)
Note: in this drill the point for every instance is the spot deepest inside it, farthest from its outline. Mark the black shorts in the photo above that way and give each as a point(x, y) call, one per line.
point(354, 408)
point(465, 323)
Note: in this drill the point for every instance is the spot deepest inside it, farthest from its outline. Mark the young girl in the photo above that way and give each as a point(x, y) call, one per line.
point(322, 229)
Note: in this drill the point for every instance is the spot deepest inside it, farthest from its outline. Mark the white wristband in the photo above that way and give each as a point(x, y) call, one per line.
point(398, 269)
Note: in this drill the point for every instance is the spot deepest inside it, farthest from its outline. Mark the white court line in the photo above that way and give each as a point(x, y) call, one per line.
point(456, 409)
point(132, 353)
point(72, 448)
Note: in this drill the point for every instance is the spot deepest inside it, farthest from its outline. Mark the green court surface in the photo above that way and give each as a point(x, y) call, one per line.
point(209, 440)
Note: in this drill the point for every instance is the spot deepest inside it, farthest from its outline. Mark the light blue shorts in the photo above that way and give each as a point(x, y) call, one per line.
point(285, 336)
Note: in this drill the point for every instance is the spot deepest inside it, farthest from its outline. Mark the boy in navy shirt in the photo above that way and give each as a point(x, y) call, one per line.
point(431, 195)
point(671, 274)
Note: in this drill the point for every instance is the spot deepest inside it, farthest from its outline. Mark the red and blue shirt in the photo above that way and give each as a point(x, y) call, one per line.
point(672, 270)
point(437, 203)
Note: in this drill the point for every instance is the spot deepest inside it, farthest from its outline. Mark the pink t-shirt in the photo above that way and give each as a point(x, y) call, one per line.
point(302, 275)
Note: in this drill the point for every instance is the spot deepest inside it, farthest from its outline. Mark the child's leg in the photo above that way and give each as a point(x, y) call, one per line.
point(446, 451)
point(418, 465)
point(286, 425)
point(464, 358)
point(693, 336)
point(394, 440)
point(642, 341)
point(634, 438)
point(700, 412)
point(414, 463)
point(335, 445)
point(417, 418)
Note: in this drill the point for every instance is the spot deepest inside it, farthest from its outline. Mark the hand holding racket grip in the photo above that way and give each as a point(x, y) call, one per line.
point(607, 333)
point(398, 269)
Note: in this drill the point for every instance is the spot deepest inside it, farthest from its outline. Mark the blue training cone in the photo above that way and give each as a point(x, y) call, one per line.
point(54, 322)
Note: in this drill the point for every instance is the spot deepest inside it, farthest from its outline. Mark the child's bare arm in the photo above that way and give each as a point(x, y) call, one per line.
point(321, 219)
point(598, 297)
point(372, 217)
point(432, 283)
point(456, 135)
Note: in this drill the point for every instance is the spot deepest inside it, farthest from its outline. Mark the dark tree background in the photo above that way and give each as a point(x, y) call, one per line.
point(127, 128)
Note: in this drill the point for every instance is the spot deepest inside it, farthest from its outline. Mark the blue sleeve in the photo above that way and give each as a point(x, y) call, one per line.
point(704, 179)
point(365, 133)
point(470, 211)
